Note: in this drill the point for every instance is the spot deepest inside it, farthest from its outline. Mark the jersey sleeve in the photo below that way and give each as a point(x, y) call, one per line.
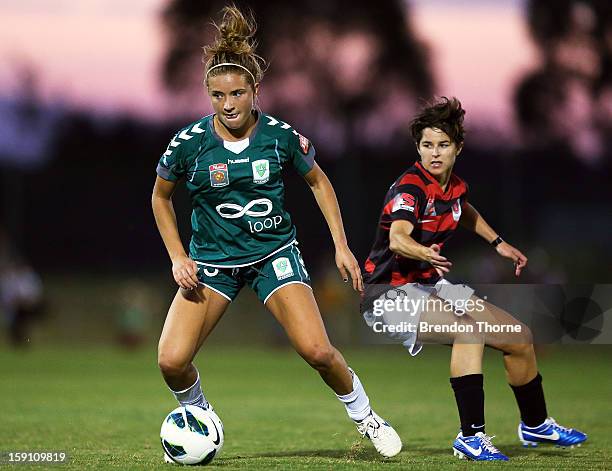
point(301, 153)
point(171, 165)
point(407, 203)
point(465, 197)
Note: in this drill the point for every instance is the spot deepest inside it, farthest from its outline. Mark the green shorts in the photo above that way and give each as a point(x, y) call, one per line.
point(265, 277)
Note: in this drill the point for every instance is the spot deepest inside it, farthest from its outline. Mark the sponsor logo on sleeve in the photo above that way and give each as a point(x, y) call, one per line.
point(304, 144)
point(261, 171)
point(218, 175)
point(404, 201)
point(282, 268)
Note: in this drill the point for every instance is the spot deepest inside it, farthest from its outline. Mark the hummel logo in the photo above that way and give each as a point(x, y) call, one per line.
point(473, 451)
point(553, 436)
point(238, 161)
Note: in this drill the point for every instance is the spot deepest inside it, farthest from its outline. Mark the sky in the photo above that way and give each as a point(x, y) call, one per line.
point(480, 51)
point(105, 54)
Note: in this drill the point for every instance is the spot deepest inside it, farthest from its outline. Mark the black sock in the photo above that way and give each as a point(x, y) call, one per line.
point(469, 394)
point(531, 403)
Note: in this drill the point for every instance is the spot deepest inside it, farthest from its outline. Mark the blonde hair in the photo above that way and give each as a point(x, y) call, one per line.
point(234, 48)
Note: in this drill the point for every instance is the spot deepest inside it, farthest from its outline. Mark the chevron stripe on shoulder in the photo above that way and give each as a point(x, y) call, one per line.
point(283, 125)
point(184, 135)
point(197, 129)
point(272, 121)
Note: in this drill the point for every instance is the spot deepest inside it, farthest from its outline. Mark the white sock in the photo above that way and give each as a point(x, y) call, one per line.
point(192, 396)
point(356, 402)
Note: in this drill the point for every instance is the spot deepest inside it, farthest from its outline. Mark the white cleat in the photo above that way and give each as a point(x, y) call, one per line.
point(384, 438)
point(168, 460)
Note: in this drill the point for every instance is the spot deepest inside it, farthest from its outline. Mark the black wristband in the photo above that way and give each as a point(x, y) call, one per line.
point(497, 241)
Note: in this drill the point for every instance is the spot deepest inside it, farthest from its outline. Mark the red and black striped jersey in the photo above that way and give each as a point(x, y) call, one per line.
point(417, 197)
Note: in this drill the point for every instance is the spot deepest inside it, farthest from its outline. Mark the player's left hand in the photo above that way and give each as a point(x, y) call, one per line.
point(507, 251)
point(347, 264)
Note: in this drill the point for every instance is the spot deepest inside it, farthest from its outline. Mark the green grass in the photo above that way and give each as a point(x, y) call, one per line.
point(104, 407)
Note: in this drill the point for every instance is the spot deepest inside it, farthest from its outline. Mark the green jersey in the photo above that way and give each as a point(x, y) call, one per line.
point(236, 188)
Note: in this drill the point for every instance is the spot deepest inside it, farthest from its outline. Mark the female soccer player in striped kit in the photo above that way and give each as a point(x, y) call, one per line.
point(231, 162)
point(421, 212)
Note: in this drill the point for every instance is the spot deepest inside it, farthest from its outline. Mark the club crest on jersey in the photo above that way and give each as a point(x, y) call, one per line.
point(430, 209)
point(282, 268)
point(261, 171)
point(218, 175)
point(457, 209)
point(404, 201)
point(304, 144)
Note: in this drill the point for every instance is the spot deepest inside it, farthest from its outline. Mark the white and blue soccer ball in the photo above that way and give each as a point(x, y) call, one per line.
point(191, 435)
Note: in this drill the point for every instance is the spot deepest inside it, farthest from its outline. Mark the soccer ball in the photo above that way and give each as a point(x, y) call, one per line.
point(191, 435)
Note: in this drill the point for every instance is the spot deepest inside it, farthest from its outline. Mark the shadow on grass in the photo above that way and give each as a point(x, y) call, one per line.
point(425, 451)
point(521, 451)
point(353, 454)
point(365, 454)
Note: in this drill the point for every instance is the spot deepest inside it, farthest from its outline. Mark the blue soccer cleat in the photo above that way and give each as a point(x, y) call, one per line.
point(550, 432)
point(477, 448)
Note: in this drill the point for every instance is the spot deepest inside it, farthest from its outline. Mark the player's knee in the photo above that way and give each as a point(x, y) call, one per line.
point(522, 337)
point(527, 335)
point(170, 364)
point(468, 332)
point(320, 357)
point(522, 349)
point(518, 349)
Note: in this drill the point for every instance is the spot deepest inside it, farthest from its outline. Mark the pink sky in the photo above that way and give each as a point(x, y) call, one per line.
point(93, 53)
point(479, 53)
point(105, 53)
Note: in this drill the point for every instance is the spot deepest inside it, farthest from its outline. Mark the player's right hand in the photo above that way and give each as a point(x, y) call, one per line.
point(440, 263)
point(185, 272)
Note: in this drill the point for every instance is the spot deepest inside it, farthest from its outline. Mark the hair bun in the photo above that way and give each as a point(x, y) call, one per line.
point(236, 32)
point(235, 44)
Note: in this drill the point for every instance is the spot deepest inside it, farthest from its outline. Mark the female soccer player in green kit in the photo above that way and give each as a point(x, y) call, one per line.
point(232, 162)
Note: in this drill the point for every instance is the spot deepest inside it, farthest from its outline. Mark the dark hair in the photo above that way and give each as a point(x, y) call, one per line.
point(234, 44)
point(445, 114)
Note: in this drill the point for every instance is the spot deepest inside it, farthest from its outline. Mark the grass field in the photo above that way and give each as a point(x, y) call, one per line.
point(104, 408)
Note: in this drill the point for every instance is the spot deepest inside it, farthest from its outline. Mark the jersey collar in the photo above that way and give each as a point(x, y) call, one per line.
point(251, 138)
point(431, 178)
